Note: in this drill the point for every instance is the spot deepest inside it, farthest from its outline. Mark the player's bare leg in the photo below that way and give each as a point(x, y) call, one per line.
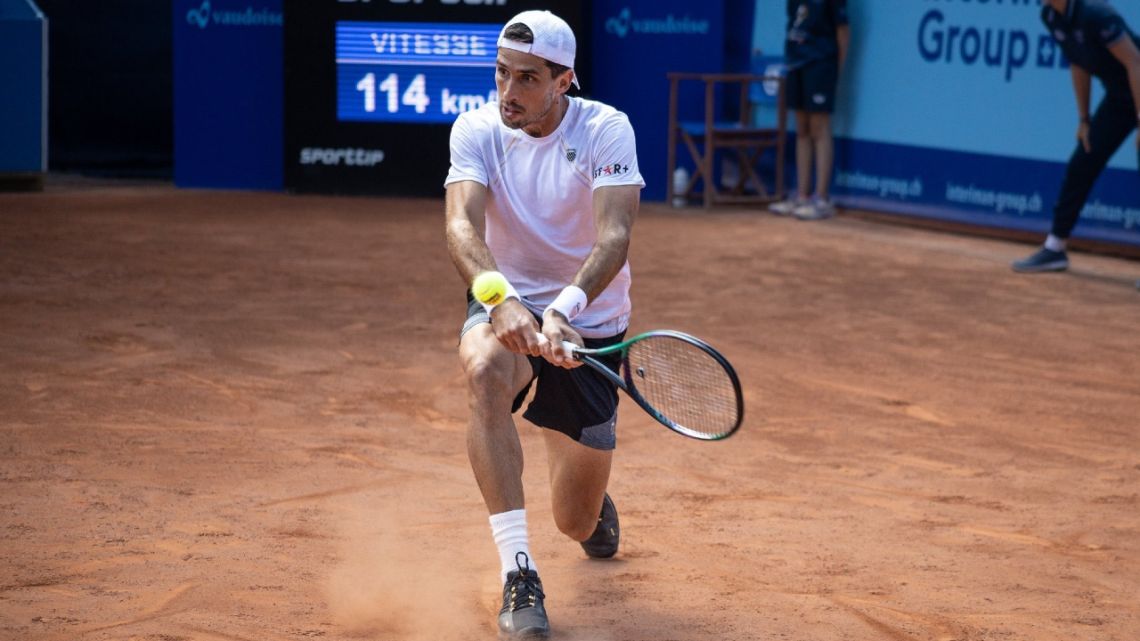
point(578, 479)
point(494, 377)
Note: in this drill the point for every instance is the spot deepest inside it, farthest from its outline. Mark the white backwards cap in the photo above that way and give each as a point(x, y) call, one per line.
point(553, 39)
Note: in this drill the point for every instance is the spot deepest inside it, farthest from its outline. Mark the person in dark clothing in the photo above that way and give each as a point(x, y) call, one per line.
point(1097, 42)
point(816, 46)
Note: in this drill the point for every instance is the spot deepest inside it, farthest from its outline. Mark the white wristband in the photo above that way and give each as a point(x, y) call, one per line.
point(570, 302)
point(511, 293)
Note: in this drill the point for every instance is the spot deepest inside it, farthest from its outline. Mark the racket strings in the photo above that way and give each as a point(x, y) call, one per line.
point(685, 384)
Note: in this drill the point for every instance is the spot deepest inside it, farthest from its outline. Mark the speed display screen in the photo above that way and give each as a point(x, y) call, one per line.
point(373, 87)
point(413, 72)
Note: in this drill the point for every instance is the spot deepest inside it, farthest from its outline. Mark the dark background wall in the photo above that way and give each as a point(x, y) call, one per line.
point(110, 86)
point(110, 106)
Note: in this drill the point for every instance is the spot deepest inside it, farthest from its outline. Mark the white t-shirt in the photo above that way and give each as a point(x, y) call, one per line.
point(540, 215)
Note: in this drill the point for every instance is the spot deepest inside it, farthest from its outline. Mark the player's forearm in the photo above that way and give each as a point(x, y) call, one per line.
point(468, 251)
point(463, 207)
point(603, 264)
point(615, 210)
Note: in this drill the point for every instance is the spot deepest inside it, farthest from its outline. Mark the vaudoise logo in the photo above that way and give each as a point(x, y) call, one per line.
point(624, 22)
point(205, 15)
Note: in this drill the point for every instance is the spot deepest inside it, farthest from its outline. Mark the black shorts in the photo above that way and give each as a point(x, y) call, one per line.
point(578, 402)
point(811, 87)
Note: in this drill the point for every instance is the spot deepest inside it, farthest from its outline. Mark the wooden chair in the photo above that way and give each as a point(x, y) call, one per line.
point(743, 137)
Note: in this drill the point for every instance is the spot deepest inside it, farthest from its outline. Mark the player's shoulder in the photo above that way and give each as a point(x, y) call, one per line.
point(597, 116)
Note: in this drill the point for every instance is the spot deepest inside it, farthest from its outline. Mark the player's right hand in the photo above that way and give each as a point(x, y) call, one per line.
point(515, 327)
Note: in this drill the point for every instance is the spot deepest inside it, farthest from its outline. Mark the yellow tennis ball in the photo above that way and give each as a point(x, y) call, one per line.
point(489, 288)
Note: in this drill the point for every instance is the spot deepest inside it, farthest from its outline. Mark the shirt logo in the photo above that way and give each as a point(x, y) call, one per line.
point(571, 154)
point(615, 169)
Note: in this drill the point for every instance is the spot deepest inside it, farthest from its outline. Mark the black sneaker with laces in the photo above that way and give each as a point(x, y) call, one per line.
point(603, 543)
point(1044, 260)
point(523, 615)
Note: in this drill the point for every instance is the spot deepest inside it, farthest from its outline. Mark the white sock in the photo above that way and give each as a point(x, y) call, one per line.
point(1054, 244)
point(509, 530)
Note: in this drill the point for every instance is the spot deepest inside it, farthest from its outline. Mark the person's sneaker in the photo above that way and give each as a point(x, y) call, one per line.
point(524, 614)
point(1045, 260)
point(603, 543)
point(814, 209)
point(786, 207)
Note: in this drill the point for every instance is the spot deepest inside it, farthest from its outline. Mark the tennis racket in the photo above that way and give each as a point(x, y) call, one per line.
point(678, 379)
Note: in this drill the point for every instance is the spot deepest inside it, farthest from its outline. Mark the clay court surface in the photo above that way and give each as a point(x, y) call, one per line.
point(240, 417)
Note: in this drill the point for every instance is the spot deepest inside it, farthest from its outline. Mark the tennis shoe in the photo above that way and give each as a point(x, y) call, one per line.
point(814, 209)
point(524, 613)
point(603, 543)
point(1044, 260)
point(786, 207)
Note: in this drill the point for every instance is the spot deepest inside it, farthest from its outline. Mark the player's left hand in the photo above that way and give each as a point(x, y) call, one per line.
point(556, 329)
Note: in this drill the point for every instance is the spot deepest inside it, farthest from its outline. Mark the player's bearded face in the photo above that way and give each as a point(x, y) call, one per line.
point(528, 93)
point(517, 115)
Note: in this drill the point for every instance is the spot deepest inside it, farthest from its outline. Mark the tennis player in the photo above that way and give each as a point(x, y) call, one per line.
point(1097, 42)
point(543, 187)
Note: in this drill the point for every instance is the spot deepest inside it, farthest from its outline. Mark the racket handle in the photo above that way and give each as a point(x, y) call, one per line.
point(566, 345)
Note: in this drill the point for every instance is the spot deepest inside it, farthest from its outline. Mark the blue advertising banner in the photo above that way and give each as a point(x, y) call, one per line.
point(636, 42)
point(228, 94)
point(23, 88)
point(981, 189)
point(964, 111)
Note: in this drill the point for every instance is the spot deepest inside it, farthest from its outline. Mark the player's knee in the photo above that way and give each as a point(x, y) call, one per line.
point(487, 378)
point(576, 526)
